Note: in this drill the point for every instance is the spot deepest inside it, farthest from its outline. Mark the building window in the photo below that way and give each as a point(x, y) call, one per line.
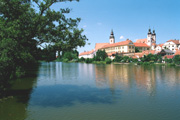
point(129, 46)
point(147, 48)
point(122, 47)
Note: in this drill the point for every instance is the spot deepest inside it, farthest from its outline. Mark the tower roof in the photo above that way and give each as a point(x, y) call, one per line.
point(154, 32)
point(112, 34)
point(149, 32)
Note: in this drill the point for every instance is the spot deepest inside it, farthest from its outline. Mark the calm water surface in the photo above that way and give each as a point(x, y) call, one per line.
point(79, 91)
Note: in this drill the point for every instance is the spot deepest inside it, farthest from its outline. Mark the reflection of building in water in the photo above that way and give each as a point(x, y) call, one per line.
point(113, 75)
point(171, 75)
point(145, 76)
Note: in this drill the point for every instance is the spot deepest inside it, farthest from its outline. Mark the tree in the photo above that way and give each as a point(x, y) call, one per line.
point(101, 55)
point(23, 28)
point(118, 58)
point(136, 50)
point(176, 59)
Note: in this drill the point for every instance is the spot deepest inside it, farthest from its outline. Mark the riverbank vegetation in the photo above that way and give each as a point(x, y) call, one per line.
point(145, 60)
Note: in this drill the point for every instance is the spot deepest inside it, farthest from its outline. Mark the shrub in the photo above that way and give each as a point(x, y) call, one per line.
point(108, 60)
point(89, 60)
point(81, 59)
point(65, 60)
point(139, 63)
point(146, 63)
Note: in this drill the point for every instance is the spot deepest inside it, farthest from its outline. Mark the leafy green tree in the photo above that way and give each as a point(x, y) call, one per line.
point(70, 55)
point(125, 59)
point(23, 28)
point(108, 60)
point(137, 50)
point(101, 55)
point(118, 58)
point(176, 59)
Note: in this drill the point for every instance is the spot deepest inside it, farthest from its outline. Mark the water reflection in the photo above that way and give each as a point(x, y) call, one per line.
point(123, 88)
point(67, 95)
point(145, 77)
point(15, 106)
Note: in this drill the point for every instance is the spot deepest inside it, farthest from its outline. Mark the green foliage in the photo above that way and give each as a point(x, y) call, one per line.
point(118, 58)
point(136, 50)
point(139, 63)
point(146, 63)
point(81, 59)
point(125, 59)
point(65, 60)
point(23, 28)
point(100, 55)
point(108, 60)
point(89, 60)
point(176, 59)
point(70, 55)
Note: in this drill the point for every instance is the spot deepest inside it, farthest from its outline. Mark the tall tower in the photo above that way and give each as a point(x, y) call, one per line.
point(111, 38)
point(149, 38)
point(153, 37)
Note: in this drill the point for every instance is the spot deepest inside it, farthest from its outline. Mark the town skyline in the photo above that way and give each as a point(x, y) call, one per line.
point(129, 19)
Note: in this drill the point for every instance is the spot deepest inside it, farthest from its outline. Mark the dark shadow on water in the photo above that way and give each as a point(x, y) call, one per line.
point(67, 95)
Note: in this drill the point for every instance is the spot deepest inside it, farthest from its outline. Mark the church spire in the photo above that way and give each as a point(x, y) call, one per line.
point(111, 38)
point(149, 32)
point(112, 34)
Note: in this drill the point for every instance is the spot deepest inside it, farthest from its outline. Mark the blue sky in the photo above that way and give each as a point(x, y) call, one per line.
point(128, 19)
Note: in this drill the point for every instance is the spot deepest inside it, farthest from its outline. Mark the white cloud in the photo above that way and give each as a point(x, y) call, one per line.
point(121, 37)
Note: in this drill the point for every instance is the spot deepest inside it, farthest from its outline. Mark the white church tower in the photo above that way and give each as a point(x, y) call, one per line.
point(149, 38)
point(112, 38)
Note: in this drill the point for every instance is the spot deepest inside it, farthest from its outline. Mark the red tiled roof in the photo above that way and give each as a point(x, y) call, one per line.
point(118, 44)
point(177, 52)
point(149, 52)
point(141, 45)
point(154, 44)
point(100, 45)
point(141, 40)
point(174, 41)
point(160, 45)
point(86, 53)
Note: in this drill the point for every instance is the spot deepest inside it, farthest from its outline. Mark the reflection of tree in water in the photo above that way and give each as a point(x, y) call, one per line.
point(72, 69)
point(16, 97)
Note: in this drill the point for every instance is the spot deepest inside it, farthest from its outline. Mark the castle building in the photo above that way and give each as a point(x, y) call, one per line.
point(148, 43)
point(127, 48)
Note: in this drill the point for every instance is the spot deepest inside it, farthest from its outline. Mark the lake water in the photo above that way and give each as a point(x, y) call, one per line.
point(79, 91)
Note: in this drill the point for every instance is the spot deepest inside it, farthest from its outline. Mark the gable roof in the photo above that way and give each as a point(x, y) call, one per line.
point(141, 40)
point(100, 45)
point(118, 44)
point(174, 41)
point(141, 45)
point(160, 45)
point(86, 53)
